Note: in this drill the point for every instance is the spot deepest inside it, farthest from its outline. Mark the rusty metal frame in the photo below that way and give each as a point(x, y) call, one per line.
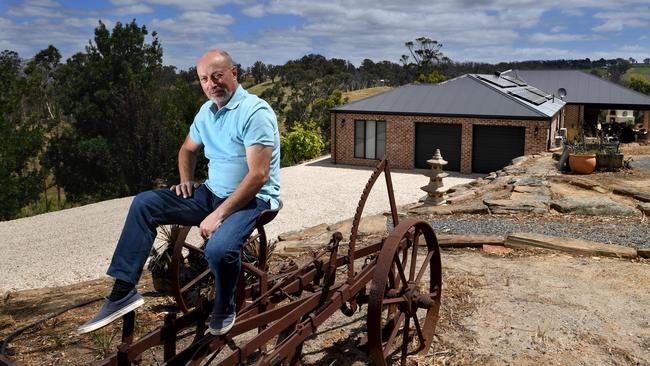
point(288, 308)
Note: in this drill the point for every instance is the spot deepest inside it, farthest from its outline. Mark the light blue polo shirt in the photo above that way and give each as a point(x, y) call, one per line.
point(226, 133)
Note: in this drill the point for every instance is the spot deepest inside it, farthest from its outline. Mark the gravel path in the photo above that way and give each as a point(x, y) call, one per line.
point(77, 244)
point(624, 231)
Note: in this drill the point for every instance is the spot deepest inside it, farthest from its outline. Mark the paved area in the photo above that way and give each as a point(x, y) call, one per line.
point(641, 162)
point(77, 244)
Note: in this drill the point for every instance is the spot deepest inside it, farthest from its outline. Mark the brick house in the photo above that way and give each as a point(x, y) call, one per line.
point(479, 122)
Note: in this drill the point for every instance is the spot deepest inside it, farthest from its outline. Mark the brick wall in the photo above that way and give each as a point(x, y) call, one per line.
point(572, 118)
point(400, 137)
point(646, 120)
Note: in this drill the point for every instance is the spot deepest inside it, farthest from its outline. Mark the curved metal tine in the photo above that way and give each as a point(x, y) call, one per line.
point(414, 254)
point(391, 194)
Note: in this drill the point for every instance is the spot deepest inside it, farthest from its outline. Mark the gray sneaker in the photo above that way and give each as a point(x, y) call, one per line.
point(111, 311)
point(221, 324)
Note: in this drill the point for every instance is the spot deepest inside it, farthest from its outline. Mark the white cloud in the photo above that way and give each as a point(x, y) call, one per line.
point(617, 25)
point(34, 11)
point(133, 10)
point(616, 21)
point(193, 22)
point(544, 38)
point(256, 11)
point(558, 29)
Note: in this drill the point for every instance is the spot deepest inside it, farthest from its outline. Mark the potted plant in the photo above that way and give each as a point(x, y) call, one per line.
point(582, 159)
point(609, 157)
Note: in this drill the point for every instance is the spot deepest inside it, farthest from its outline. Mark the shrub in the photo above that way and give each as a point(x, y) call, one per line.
point(302, 143)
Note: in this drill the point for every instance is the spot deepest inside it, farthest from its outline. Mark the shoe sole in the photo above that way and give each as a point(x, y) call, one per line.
point(111, 318)
point(222, 331)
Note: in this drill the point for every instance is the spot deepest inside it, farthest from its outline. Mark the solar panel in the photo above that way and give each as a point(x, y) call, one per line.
point(538, 92)
point(500, 82)
point(514, 80)
point(529, 96)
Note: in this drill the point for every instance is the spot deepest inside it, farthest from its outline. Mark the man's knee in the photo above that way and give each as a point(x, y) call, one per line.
point(143, 200)
point(221, 251)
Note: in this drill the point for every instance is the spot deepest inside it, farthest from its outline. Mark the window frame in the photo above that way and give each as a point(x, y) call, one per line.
point(363, 139)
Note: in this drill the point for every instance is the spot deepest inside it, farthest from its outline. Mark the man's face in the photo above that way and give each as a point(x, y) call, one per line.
point(218, 78)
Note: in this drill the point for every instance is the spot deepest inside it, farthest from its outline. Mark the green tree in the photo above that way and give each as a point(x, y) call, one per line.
point(432, 78)
point(20, 176)
point(122, 136)
point(259, 71)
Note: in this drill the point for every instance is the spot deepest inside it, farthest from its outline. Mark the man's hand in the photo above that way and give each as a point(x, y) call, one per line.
point(185, 188)
point(210, 224)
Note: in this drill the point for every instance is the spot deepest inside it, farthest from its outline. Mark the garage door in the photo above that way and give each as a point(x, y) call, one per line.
point(429, 137)
point(494, 147)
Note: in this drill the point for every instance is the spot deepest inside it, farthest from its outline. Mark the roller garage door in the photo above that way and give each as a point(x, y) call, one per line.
point(494, 147)
point(429, 137)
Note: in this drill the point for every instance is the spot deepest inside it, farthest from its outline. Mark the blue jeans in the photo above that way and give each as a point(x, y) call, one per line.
point(151, 209)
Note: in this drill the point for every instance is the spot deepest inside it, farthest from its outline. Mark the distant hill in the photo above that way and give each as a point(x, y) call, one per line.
point(638, 70)
point(258, 89)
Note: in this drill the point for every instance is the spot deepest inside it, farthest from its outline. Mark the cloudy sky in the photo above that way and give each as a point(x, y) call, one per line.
point(279, 30)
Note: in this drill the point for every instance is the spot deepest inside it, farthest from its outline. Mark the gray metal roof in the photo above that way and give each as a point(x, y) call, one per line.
point(462, 96)
point(583, 88)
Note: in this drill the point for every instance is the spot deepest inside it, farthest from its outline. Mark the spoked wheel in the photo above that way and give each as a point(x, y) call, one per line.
point(404, 294)
point(190, 274)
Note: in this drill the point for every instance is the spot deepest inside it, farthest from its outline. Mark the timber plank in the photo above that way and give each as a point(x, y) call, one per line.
point(468, 241)
point(579, 246)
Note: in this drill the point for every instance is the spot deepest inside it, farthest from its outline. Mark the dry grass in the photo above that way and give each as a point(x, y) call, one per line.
point(365, 93)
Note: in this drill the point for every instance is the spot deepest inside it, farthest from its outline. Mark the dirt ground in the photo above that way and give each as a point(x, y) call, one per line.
point(519, 307)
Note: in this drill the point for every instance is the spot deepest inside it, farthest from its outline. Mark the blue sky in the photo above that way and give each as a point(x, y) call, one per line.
point(279, 30)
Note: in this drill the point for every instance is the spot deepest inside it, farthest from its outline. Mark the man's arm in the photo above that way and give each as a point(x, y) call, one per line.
point(186, 166)
point(258, 158)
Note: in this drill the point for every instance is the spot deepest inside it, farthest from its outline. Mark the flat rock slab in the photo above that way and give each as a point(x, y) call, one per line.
point(592, 206)
point(374, 224)
point(302, 234)
point(506, 206)
point(579, 246)
point(531, 181)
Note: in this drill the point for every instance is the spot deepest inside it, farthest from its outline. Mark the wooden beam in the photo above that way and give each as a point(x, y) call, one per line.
point(578, 246)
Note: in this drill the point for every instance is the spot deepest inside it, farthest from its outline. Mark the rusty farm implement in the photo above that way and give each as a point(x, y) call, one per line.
point(398, 278)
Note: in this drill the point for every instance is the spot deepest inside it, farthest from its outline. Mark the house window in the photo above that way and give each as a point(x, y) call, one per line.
point(370, 139)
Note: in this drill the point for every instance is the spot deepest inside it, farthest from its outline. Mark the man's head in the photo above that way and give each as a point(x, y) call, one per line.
point(218, 76)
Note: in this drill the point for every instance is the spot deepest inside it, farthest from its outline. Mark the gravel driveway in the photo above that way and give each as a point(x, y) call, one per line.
point(77, 244)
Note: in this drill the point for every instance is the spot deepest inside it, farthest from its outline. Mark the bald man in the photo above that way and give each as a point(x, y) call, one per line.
point(239, 135)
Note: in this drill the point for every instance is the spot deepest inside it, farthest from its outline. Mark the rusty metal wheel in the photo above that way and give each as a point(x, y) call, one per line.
point(404, 294)
point(189, 272)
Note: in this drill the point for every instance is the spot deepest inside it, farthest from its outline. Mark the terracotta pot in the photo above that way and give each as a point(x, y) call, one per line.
point(583, 163)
